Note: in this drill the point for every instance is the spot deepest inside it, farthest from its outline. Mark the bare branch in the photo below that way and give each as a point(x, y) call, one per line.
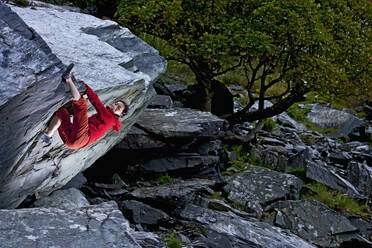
point(230, 69)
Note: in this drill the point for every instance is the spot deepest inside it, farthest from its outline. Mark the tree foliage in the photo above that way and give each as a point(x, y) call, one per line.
point(305, 45)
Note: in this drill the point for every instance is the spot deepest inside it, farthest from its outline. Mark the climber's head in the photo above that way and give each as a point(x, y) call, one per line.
point(120, 108)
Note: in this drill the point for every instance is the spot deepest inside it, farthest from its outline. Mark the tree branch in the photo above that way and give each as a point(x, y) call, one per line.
point(296, 95)
point(230, 69)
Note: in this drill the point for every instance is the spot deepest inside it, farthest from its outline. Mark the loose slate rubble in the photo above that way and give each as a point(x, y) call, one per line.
point(221, 240)
point(92, 226)
point(360, 175)
point(261, 186)
point(319, 171)
point(162, 102)
point(172, 195)
point(259, 233)
point(65, 199)
point(142, 213)
point(315, 222)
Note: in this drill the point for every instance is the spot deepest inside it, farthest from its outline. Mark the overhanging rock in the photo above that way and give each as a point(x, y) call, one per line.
point(35, 46)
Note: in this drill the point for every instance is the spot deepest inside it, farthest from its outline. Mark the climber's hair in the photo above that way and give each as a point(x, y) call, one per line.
point(125, 111)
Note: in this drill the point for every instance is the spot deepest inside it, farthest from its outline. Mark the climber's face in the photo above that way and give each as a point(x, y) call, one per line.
point(118, 108)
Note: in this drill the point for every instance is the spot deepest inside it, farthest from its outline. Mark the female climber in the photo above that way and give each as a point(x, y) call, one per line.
point(83, 130)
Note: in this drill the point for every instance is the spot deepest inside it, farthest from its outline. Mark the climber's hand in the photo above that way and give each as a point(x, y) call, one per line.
point(69, 78)
point(84, 90)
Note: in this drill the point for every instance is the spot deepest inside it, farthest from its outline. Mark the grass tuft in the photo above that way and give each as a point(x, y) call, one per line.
point(335, 199)
point(165, 179)
point(172, 241)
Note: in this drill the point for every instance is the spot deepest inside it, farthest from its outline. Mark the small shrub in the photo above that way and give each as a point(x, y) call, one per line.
point(173, 242)
point(237, 206)
point(165, 179)
point(298, 113)
point(252, 159)
point(269, 125)
point(239, 165)
point(227, 173)
point(22, 3)
point(216, 195)
point(308, 137)
point(299, 172)
point(267, 214)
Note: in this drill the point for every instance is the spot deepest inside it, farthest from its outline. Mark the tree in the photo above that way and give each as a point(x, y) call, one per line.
point(305, 45)
point(100, 8)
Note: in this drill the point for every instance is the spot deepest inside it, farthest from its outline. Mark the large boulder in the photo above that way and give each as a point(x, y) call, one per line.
point(172, 128)
point(342, 120)
point(92, 226)
point(259, 186)
point(114, 62)
point(182, 123)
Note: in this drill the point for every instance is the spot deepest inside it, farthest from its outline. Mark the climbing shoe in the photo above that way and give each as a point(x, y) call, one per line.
point(44, 138)
point(67, 72)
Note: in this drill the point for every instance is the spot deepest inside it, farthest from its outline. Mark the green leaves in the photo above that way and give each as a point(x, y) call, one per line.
point(325, 43)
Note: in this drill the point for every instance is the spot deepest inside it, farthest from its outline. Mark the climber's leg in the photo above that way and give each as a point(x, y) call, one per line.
point(79, 135)
point(65, 127)
point(54, 124)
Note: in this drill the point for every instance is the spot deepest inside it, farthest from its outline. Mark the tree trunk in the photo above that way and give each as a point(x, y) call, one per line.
point(209, 94)
point(206, 101)
point(297, 95)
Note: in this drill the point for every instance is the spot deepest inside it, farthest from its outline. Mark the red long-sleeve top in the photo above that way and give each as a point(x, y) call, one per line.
point(101, 122)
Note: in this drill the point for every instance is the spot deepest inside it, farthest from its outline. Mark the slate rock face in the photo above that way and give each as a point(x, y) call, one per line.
point(181, 123)
point(33, 56)
point(172, 195)
point(179, 141)
point(254, 233)
point(25, 58)
point(181, 161)
point(92, 226)
point(360, 175)
point(138, 139)
point(315, 222)
point(320, 172)
point(175, 129)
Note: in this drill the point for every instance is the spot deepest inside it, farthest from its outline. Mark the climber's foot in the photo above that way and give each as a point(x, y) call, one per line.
point(67, 72)
point(44, 138)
